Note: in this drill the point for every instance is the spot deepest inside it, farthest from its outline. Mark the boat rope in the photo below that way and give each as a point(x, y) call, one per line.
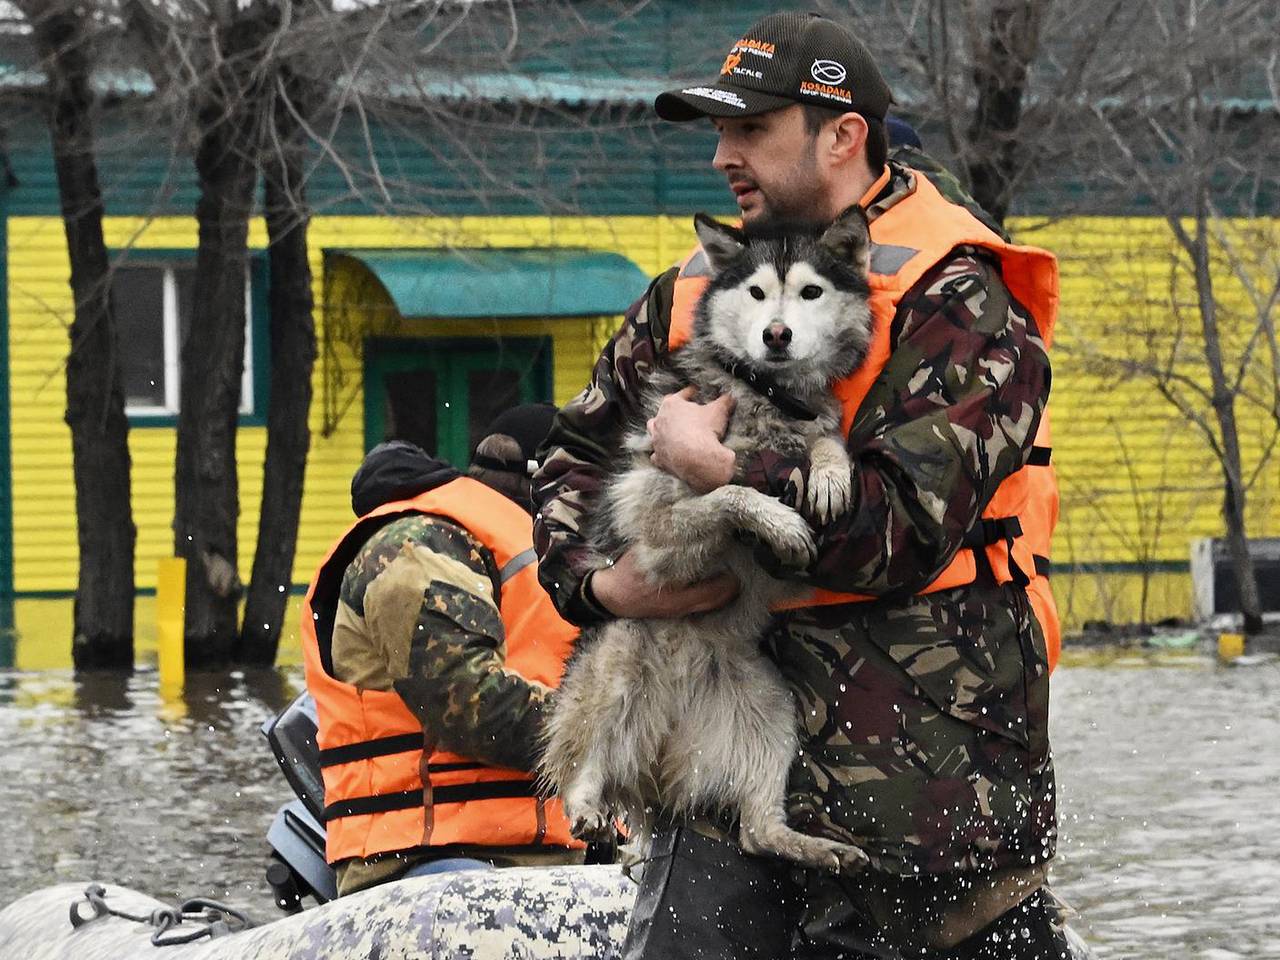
point(209, 917)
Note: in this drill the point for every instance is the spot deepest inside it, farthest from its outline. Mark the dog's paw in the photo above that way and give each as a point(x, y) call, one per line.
point(589, 820)
point(848, 859)
point(786, 534)
point(819, 853)
point(594, 827)
point(828, 493)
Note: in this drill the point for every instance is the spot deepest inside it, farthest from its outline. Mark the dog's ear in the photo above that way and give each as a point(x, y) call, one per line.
point(849, 239)
point(720, 242)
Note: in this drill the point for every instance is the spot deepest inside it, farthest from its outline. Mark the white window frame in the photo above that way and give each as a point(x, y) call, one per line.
point(172, 348)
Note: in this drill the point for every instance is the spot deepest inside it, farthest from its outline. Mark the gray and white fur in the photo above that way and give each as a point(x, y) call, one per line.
point(686, 717)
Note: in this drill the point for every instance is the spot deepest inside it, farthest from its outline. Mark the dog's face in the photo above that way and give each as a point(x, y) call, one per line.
point(794, 304)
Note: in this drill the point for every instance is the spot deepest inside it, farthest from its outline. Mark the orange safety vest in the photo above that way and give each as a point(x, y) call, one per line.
point(908, 240)
point(386, 786)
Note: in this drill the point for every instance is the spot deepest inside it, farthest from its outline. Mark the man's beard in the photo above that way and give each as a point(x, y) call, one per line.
point(794, 208)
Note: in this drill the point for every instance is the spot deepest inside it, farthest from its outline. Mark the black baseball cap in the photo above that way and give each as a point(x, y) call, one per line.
point(784, 59)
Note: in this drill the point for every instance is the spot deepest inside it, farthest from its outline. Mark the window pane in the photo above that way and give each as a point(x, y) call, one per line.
point(411, 408)
point(138, 295)
point(489, 392)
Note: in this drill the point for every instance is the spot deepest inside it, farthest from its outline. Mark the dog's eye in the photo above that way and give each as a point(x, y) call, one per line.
point(811, 292)
point(756, 292)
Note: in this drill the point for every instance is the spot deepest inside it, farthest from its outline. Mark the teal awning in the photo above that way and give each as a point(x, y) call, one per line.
point(503, 282)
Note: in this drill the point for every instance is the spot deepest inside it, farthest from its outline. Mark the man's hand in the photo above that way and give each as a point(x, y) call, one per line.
point(625, 591)
point(686, 439)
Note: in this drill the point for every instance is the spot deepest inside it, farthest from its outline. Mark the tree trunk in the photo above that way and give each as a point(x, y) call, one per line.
point(1001, 59)
point(293, 354)
point(206, 485)
point(1233, 501)
point(103, 616)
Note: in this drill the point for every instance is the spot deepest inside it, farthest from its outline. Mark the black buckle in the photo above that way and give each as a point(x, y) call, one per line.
point(991, 530)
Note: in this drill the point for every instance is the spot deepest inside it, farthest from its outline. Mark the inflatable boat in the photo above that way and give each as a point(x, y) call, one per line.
point(536, 913)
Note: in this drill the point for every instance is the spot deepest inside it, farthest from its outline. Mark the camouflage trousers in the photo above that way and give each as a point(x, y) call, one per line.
point(924, 730)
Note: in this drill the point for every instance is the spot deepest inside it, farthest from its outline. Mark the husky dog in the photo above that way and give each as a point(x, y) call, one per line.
point(686, 717)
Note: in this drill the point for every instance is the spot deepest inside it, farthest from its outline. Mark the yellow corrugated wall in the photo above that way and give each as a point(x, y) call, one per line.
point(1115, 272)
point(40, 308)
point(1138, 482)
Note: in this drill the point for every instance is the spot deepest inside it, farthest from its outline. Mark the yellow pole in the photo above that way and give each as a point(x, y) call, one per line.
point(1230, 645)
point(171, 602)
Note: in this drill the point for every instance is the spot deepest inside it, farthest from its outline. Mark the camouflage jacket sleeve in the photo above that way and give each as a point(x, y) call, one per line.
point(419, 602)
point(953, 413)
point(583, 443)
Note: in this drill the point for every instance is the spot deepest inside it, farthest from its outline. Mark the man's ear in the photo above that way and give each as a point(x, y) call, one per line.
point(720, 242)
point(849, 239)
point(849, 137)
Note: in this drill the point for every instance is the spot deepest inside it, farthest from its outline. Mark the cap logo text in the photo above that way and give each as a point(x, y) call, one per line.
point(731, 61)
point(828, 71)
point(759, 47)
point(827, 92)
point(727, 97)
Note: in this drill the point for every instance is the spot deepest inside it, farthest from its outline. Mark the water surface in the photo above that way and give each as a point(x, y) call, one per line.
point(1169, 773)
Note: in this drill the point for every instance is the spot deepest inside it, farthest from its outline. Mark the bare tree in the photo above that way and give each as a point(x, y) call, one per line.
point(283, 90)
point(1179, 134)
point(63, 35)
point(997, 85)
point(208, 62)
point(290, 107)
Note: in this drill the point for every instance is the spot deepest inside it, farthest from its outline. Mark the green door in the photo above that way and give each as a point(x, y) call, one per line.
point(441, 394)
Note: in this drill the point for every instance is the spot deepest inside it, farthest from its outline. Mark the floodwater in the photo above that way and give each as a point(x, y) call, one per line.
point(1169, 774)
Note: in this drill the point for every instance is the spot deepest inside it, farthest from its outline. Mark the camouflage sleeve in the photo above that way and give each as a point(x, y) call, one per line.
point(424, 589)
point(582, 445)
point(952, 414)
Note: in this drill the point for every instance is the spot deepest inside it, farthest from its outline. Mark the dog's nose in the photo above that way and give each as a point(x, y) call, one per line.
point(777, 336)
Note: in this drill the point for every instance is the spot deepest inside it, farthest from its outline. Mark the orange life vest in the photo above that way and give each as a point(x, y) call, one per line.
point(386, 786)
point(908, 240)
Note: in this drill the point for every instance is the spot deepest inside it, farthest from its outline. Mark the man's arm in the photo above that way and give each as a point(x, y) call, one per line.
point(953, 413)
point(424, 589)
point(583, 444)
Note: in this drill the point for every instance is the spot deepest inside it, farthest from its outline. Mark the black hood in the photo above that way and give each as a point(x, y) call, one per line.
point(396, 470)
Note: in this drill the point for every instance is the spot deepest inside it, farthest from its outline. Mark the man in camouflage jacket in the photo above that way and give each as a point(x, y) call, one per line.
point(924, 718)
point(417, 614)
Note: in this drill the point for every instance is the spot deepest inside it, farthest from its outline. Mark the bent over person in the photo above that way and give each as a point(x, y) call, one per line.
point(919, 670)
point(430, 650)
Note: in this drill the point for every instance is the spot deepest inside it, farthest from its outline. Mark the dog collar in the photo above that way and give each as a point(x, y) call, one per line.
point(767, 387)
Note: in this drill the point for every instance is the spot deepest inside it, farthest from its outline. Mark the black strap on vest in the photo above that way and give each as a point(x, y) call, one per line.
point(450, 767)
point(387, 747)
point(763, 384)
point(410, 799)
point(368, 749)
point(1042, 565)
point(1040, 456)
point(990, 530)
